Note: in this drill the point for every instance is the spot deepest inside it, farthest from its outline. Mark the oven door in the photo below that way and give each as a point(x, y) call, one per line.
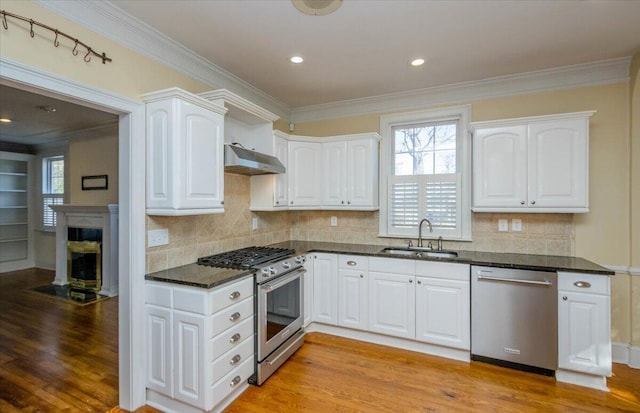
point(280, 311)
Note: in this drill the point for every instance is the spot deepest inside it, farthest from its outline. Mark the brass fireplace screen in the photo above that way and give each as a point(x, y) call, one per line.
point(84, 265)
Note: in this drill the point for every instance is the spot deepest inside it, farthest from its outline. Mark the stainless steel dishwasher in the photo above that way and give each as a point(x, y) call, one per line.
point(514, 318)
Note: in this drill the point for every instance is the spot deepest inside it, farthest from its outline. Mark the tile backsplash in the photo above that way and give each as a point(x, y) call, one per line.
point(191, 237)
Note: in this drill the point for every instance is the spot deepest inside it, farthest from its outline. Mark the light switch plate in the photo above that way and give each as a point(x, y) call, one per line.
point(156, 237)
point(254, 223)
point(503, 225)
point(516, 225)
point(334, 221)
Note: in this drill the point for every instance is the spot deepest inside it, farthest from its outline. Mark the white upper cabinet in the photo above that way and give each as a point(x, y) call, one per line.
point(305, 174)
point(281, 187)
point(351, 172)
point(536, 164)
point(184, 154)
point(271, 192)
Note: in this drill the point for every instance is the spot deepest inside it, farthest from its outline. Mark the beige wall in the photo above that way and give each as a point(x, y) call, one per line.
point(635, 200)
point(94, 156)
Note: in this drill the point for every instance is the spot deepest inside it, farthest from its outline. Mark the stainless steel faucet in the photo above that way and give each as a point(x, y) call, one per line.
point(440, 243)
point(420, 230)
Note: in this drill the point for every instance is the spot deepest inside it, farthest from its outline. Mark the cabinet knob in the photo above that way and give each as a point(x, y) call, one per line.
point(221, 202)
point(291, 202)
point(235, 360)
point(234, 338)
point(234, 295)
point(352, 263)
point(565, 298)
point(235, 381)
point(235, 316)
point(522, 202)
point(582, 284)
point(533, 202)
point(342, 202)
point(349, 202)
point(277, 202)
point(410, 281)
point(419, 282)
point(361, 275)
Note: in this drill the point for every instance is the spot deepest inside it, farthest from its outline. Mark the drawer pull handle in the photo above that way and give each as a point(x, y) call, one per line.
point(235, 359)
point(234, 295)
point(235, 316)
point(582, 284)
point(352, 263)
point(565, 298)
point(234, 338)
point(235, 381)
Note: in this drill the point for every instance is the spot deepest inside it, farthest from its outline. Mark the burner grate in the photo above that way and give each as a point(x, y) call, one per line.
point(245, 258)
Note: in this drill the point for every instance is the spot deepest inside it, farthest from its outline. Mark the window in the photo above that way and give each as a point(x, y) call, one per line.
point(52, 188)
point(425, 173)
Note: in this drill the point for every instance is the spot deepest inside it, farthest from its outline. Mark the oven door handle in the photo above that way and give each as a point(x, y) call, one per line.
point(272, 285)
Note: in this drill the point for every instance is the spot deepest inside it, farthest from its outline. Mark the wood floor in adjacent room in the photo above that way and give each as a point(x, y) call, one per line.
point(57, 356)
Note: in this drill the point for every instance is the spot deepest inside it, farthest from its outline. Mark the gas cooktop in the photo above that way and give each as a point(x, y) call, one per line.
point(245, 258)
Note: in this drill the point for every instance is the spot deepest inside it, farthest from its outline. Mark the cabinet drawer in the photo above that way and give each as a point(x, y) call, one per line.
point(392, 265)
point(231, 294)
point(231, 316)
point(233, 380)
point(159, 295)
point(443, 270)
point(583, 283)
point(353, 262)
point(232, 337)
point(231, 359)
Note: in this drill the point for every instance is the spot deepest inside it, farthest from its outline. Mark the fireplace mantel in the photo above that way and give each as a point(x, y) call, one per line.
point(104, 217)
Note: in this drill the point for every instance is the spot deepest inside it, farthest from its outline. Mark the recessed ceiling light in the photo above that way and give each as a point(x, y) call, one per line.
point(417, 62)
point(296, 59)
point(5, 120)
point(317, 7)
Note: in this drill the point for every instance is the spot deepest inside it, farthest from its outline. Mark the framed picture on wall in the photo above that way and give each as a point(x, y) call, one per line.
point(95, 182)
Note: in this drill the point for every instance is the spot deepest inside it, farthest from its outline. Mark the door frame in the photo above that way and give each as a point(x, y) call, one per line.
point(131, 199)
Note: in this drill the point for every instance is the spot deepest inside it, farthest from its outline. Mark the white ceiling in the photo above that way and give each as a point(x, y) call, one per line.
point(364, 48)
point(33, 126)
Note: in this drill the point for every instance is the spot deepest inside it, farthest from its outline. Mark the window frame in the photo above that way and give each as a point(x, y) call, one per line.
point(45, 186)
point(462, 114)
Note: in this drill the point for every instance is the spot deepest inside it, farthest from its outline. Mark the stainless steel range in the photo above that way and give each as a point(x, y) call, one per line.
point(279, 302)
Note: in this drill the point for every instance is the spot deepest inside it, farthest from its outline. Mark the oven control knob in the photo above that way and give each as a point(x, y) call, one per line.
point(286, 264)
point(299, 259)
point(272, 270)
point(265, 272)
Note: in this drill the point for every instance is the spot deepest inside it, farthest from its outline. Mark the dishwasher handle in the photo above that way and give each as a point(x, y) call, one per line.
point(514, 280)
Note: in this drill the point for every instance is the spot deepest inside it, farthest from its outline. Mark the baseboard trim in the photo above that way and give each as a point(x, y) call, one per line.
point(582, 379)
point(624, 353)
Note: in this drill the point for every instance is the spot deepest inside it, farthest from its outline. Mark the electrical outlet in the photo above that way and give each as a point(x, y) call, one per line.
point(254, 223)
point(516, 225)
point(503, 225)
point(156, 237)
point(334, 221)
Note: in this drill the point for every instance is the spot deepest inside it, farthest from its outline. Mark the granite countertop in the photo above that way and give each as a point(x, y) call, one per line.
point(492, 259)
point(200, 276)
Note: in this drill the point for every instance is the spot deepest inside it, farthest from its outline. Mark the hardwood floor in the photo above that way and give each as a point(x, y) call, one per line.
point(56, 356)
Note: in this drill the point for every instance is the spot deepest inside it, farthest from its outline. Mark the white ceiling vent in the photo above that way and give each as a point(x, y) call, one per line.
point(317, 7)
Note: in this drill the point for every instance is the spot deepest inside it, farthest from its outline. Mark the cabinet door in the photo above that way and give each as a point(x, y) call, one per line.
point(392, 304)
point(353, 299)
point(308, 289)
point(442, 312)
point(558, 170)
point(325, 288)
point(362, 172)
point(499, 167)
point(584, 333)
point(281, 189)
point(305, 179)
point(160, 350)
point(335, 175)
point(189, 362)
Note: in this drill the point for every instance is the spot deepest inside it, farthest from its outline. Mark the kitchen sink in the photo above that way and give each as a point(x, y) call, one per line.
point(420, 252)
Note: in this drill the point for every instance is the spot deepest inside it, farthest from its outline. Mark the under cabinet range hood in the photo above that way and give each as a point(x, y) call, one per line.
point(239, 160)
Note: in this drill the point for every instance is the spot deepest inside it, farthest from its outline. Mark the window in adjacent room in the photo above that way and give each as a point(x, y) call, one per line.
point(52, 188)
point(425, 173)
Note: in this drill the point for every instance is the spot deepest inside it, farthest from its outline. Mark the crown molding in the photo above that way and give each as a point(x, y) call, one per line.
point(113, 23)
point(567, 77)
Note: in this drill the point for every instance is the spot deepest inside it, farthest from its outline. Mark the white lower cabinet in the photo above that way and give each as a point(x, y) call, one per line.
point(307, 284)
point(325, 288)
point(200, 342)
point(353, 292)
point(584, 327)
point(392, 304)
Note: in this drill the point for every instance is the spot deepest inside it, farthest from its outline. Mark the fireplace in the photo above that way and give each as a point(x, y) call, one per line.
point(87, 250)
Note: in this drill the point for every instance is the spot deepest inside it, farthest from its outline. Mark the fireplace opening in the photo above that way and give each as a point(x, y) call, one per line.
point(84, 269)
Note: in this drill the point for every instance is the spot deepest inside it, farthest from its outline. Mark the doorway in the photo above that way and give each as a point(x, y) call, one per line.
point(131, 154)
